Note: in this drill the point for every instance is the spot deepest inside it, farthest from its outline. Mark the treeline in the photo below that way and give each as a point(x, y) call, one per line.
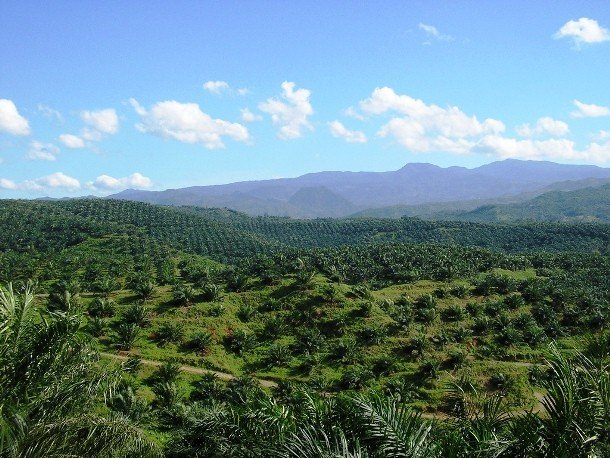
point(227, 236)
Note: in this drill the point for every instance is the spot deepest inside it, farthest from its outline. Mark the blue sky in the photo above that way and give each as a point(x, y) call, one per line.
point(96, 97)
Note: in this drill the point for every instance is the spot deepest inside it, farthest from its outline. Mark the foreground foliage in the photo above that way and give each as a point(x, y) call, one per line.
point(50, 388)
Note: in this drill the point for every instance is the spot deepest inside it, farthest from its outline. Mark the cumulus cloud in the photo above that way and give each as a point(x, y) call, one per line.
point(72, 141)
point(585, 110)
point(433, 32)
point(7, 184)
point(291, 113)
point(584, 30)
point(216, 87)
point(42, 152)
point(103, 121)
point(565, 149)
point(421, 127)
point(56, 180)
point(338, 130)
point(107, 183)
point(98, 123)
point(544, 126)
point(186, 123)
point(248, 116)
point(10, 119)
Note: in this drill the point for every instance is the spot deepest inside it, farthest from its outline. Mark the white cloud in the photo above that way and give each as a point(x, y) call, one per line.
point(56, 180)
point(104, 121)
point(216, 87)
point(72, 141)
point(98, 123)
point(585, 110)
point(248, 116)
point(10, 119)
point(107, 183)
point(433, 32)
point(353, 113)
point(91, 135)
point(337, 129)
point(243, 91)
point(51, 113)
point(291, 115)
point(564, 149)
point(584, 30)
point(7, 184)
point(424, 127)
point(545, 125)
point(602, 135)
point(43, 152)
point(186, 123)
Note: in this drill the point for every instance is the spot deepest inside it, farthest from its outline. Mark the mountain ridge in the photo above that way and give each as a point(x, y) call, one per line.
point(347, 192)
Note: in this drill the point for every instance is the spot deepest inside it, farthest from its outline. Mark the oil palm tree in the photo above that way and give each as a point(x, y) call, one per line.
point(51, 390)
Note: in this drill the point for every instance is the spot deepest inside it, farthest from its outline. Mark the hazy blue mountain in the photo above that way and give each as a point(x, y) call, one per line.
point(340, 194)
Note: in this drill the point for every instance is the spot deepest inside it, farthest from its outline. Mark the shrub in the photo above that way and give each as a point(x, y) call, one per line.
point(453, 313)
point(245, 312)
point(201, 341)
point(101, 308)
point(456, 359)
point(136, 314)
point(240, 341)
point(127, 333)
point(356, 377)
point(210, 292)
point(169, 332)
point(277, 355)
point(207, 389)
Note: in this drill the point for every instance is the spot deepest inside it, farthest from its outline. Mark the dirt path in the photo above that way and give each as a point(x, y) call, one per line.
point(189, 369)
point(269, 384)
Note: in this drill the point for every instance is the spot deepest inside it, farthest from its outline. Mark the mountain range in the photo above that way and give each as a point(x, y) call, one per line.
point(417, 189)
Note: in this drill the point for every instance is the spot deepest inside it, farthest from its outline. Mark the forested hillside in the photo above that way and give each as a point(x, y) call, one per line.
point(589, 204)
point(219, 334)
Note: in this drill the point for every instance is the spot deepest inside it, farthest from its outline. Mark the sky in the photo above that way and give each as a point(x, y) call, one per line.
point(100, 96)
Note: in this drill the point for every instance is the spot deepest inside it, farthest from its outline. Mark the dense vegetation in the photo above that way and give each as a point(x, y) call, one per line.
point(327, 337)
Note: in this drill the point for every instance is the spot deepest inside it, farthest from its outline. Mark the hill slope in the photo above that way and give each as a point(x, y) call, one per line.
point(589, 204)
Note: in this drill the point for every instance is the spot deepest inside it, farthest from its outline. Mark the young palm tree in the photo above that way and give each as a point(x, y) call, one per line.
point(50, 389)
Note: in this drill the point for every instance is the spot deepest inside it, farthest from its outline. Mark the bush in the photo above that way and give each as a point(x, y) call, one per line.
point(136, 314)
point(277, 355)
point(459, 291)
point(97, 326)
point(201, 341)
point(456, 359)
point(245, 312)
point(372, 335)
point(127, 333)
point(168, 372)
point(101, 308)
point(501, 381)
point(240, 341)
point(210, 292)
point(169, 333)
point(308, 340)
point(207, 389)
point(356, 378)
point(453, 313)
point(216, 310)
